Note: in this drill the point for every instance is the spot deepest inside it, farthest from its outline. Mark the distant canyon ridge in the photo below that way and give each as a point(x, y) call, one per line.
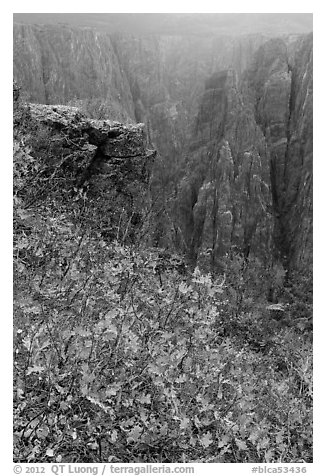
point(230, 118)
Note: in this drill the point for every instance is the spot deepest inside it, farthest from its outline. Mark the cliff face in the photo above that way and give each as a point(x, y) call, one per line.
point(281, 87)
point(249, 173)
point(155, 80)
point(230, 118)
point(299, 158)
point(227, 178)
point(57, 65)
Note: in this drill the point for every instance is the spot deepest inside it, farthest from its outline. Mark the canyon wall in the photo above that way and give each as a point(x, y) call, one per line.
point(230, 117)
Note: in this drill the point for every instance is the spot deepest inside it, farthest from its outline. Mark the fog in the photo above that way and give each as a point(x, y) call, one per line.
point(179, 23)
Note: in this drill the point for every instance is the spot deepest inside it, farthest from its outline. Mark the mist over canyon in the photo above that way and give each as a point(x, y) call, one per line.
point(230, 117)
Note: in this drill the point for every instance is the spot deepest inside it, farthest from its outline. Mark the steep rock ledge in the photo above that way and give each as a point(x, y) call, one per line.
point(117, 147)
point(69, 155)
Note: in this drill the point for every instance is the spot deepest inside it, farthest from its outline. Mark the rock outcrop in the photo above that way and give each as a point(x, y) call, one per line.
point(106, 161)
point(118, 148)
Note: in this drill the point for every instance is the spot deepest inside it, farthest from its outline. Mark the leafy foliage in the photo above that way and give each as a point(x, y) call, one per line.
point(120, 356)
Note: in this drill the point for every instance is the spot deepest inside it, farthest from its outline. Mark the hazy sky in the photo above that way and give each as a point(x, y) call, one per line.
point(179, 23)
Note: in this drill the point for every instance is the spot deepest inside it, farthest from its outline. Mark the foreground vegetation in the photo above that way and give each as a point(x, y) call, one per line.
point(123, 355)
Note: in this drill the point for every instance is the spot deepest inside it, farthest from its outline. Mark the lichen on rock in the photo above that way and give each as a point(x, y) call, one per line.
point(115, 143)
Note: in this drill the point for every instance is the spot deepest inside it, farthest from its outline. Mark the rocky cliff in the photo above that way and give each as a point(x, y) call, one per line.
point(249, 166)
point(60, 65)
point(227, 176)
point(281, 86)
point(231, 118)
